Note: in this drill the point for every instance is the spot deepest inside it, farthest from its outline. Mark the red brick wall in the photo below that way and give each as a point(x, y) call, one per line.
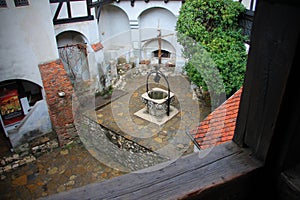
point(55, 79)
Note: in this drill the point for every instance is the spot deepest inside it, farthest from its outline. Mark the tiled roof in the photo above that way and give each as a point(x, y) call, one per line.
point(218, 127)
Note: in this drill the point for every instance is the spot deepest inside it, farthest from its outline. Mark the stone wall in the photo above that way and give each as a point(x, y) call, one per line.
point(113, 149)
point(55, 79)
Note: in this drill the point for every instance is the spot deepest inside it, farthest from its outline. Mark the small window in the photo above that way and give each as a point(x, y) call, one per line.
point(3, 4)
point(19, 3)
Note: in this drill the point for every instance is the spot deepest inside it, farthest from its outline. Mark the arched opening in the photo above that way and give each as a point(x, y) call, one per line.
point(164, 54)
point(73, 53)
point(114, 27)
point(17, 97)
point(157, 31)
point(151, 50)
point(23, 111)
point(157, 17)
point(25, 91)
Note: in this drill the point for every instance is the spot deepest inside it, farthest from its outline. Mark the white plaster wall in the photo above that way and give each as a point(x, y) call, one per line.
point(78, 9)
point(27, 39)
point(139, 6)
point(89, 29)
point(123, 28)
point(37, 120)
point(70, 38)
point(152, 19)
point(89, 32)
point(148, 48)
point(115, 35)
point(157, 17)
point(82, 68)
point(149, 21)
point(165, 45)
point(167, 19)
point(247, 3)
point(114, 27)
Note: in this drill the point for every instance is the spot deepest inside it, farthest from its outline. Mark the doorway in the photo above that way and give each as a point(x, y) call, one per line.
point(72, 50)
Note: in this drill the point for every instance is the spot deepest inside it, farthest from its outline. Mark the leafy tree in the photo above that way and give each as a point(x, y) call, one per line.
point(213, 44)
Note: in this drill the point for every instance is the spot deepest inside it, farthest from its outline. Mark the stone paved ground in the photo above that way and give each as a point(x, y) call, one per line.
point(119, 115)
point(53, 172)
point(76, 165)
point(169, 141)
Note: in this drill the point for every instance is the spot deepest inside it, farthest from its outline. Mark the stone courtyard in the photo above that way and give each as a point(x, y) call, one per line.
point(112, 140)
point(53, 172)
point(163, 142)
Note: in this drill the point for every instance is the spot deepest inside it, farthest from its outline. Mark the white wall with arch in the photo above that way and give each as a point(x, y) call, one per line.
point(139, 6)
point(124, 31)
point(147, 50)
point(88, 28)
point(70, 37)
point(152, 19)
point(87, 31)
point(78, 9)
point(157, 17)
point(114, 27)
point(72, 50)
point(27, 40)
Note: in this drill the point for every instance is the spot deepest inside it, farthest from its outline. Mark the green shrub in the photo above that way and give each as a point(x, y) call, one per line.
point(212, 40)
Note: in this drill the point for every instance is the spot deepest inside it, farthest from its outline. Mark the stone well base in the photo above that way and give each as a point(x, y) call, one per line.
point(154, 119)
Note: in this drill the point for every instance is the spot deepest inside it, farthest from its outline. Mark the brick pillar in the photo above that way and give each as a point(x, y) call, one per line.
point(55, 79)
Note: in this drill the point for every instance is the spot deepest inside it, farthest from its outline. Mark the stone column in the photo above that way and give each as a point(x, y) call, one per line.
point(135, 35)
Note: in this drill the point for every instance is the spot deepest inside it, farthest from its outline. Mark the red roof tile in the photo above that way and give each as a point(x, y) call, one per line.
point(97, 46)
point(218, 127)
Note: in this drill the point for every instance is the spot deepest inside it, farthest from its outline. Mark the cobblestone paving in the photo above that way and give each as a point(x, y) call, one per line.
point(119, 115)
point(53, 172)
point(102, 154)
point(168, 141)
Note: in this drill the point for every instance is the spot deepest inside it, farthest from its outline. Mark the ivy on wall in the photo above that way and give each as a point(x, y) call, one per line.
point(212, 40)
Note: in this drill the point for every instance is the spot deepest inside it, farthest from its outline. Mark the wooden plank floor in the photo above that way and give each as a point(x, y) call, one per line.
point(184, 177)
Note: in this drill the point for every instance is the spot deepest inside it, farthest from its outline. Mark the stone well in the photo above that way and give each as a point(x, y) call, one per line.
point(157, 101)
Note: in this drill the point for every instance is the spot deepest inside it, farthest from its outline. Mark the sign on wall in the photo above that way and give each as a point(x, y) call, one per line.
point(10, 107)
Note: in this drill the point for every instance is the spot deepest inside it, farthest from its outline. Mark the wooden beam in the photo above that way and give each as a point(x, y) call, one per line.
point(159, 47)
point(69, 9)
point(57, 12)
point(289, 184)
point(270, 59)
point(70, 19)
point(184, 178)
point(74, 19)
point(88, 8)
point(98, 3)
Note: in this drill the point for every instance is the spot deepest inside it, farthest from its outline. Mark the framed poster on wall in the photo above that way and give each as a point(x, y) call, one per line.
point(10, 107)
